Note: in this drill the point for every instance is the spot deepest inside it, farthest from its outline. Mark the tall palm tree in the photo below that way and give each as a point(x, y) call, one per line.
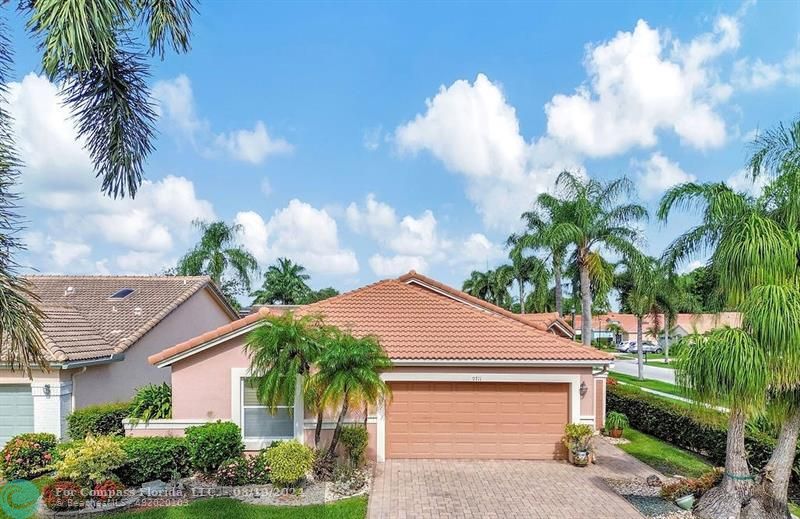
point(646, 297)
point(755, 264)
point(219, 256)
point(281, 350)
point(594, 219)
point(349, 371)
point(491, 286)
point(284, 283)
point(547, 212)
point(526, 270)
point(21, 343)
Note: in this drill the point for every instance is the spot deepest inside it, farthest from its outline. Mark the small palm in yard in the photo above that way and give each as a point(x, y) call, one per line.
point(280, 350)
point(349, 371)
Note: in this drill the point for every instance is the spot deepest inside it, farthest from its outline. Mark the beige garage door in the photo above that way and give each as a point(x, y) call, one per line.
point(474, 420)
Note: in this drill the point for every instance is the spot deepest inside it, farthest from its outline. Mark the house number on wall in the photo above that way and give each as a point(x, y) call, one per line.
point(476, 379)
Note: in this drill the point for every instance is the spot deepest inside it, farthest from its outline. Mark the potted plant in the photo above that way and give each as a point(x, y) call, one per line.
point(578, 441)
point(616, 424)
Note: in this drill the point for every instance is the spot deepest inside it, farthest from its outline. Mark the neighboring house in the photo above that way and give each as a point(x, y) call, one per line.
point(470, 380)
point(701, 323)
point(604, 326)
point(98, 333)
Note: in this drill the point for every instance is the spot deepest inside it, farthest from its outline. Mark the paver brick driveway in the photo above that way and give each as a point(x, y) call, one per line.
point(420, 489)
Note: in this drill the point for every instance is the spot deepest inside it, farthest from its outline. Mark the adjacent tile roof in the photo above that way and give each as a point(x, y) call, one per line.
point(415, 323)
point(546, 320)
point(699, 323)
point(82, 322)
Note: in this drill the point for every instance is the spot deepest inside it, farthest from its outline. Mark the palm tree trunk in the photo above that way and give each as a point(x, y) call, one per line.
point(586, 306)
point(726, 499)
point(521, 295)
point(318, 428)
point(366, 414)
point(639, 352)
point(666, 338)
point(558, 291)
point(338, 430)
point(771, 495)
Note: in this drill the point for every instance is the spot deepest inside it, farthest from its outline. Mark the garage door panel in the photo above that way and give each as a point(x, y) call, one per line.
point(476, 420)
point(16, 411)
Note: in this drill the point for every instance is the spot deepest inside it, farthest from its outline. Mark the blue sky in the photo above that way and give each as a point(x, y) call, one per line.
point(364, 139)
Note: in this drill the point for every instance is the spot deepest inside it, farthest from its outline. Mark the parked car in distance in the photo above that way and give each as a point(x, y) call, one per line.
point(647, 347)
point(623, 346)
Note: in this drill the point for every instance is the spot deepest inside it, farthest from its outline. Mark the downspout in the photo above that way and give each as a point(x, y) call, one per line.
point(72, 379)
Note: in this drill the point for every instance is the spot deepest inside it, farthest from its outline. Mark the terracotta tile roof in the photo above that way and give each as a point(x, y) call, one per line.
point(545, 320)
point(83, 322)
point(415, 323)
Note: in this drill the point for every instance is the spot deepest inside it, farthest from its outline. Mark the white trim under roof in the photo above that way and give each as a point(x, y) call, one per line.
point(451, 296)
point(492, 362)
point(210, 344)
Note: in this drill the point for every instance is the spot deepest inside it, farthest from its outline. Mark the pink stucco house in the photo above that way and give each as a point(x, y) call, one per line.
point(470, 380)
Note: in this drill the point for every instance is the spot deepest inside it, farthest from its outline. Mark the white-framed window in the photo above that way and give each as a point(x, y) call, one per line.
point(257, 421)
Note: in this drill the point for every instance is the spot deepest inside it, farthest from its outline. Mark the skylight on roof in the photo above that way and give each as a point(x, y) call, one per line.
point(122, 293)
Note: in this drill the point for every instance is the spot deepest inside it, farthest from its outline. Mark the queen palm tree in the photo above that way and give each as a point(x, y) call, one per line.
point(526, 270)
point(593, 219)
point(547, 212)
point(349, 371)
point(281, 350)
point(284, 283)
point(220, 257)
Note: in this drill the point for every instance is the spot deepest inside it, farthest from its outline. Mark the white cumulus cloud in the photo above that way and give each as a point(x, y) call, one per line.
point(658, 173)
point(393, 266)
point(298, 231)
point(176, 105)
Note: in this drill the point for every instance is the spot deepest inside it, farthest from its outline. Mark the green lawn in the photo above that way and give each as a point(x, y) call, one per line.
point(662, 456)
point(664, 387)
point(354, 508)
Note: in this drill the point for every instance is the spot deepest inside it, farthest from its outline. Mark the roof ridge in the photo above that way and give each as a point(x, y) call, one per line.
point(454, 292)
point(148, 325)
point(528, 328)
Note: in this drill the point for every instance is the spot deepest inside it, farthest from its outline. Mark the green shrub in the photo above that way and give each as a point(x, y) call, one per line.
point(98, 420)
point(244, 470)
point(289, 462)
point(151, 402)
point(92, 460)
point(157, 457)
point(701, 432)
point(212, 444)
point(578, 437)
point(27, 455)
point(355, 438)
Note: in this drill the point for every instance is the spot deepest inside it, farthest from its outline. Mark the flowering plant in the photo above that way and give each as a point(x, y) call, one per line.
point(27, 455)
point(244, 470)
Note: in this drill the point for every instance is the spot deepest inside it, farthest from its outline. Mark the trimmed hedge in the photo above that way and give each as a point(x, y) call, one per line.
point(212, 444)
point(98, 420)
point(703, 432)
point(151, 458)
